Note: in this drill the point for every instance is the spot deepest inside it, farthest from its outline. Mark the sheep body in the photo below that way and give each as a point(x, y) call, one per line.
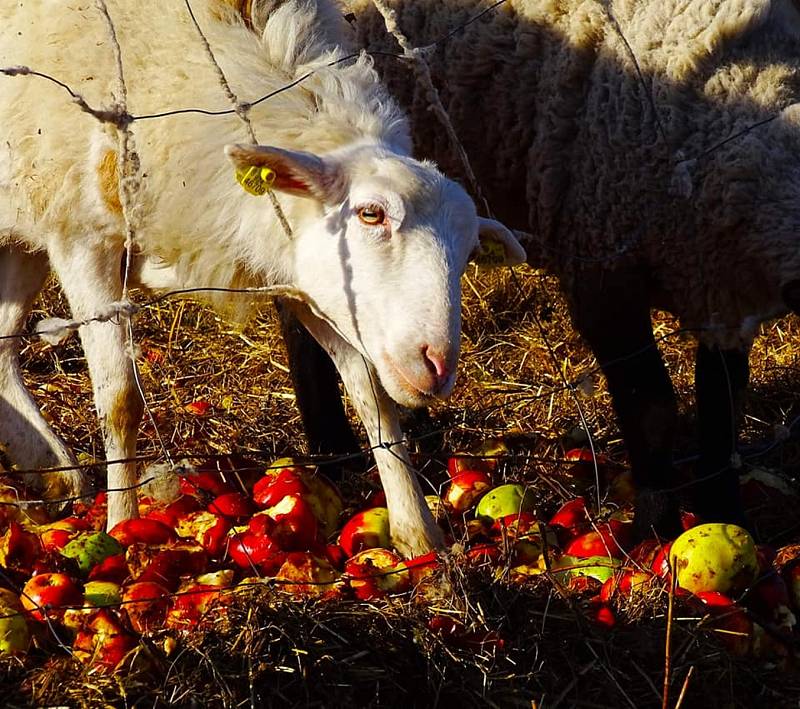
point(561, 131)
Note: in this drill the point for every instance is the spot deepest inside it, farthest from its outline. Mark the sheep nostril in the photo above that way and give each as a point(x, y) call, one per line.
point(436, 365)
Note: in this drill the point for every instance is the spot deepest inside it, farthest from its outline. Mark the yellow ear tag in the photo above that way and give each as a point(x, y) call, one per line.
point(255, 180)
point(492, 253)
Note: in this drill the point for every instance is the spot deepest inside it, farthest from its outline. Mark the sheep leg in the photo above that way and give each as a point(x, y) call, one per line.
point(613, 316)
point(24, 433)
point(316, 389)
point(721, 378)
point(90, 277)
point(413, 529)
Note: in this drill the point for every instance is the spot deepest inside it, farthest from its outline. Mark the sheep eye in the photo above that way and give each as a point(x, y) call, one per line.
point(371, 215)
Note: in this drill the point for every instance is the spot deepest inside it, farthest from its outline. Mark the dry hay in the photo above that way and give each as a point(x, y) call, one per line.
point(519, 352)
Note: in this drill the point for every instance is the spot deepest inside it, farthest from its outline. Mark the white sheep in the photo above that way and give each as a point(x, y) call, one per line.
point(601, 127)
point(379, 240)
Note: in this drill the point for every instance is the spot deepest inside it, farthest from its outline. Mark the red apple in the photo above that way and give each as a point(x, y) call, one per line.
point(206, 480)
point(305, 574)
point(145, 603)
point(603, 616)
point(582, 468)
point(48, 595)
point(461, 462)
point(176, 510)
point(145, 531)
point(233, 506)
point(275, 485)
point(335, 555)
point(661, 566)
point(56, 535)
point(570, 520)
point(255, 553)
point(377, 498)
point(465, 489)
point(689, 520)
point(375, 573)
point(730, 622)
point(113, 568)
point(608, 539)
point(366, 529)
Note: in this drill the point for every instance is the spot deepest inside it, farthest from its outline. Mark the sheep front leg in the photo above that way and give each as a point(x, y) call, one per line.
point(413, 529)
point(721, 378)
point(90, 278)
point(612, 313)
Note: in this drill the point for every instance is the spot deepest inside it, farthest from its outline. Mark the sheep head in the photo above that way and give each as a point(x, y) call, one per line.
point(380, 244)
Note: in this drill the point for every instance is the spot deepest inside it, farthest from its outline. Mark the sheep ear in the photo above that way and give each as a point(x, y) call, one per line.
point(262, 167)
point(498, 246)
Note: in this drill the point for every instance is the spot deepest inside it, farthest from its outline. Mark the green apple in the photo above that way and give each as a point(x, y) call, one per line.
point(102, 593)
point(14, 633)
point(90, 548)
point(504, 500)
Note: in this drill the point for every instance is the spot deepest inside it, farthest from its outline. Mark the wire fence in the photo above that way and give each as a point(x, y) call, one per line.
point(55, 330)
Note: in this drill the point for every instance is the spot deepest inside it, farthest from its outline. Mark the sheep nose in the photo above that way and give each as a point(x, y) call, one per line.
point(437, 366)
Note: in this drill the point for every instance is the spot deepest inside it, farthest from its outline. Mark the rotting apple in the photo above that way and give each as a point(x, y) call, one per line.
point(145, 604)
point(207, 529)
point(296, 527)
point(375, 573)
point(465, 489)
point(104, 642)
point(306, 574)
point(19, 549)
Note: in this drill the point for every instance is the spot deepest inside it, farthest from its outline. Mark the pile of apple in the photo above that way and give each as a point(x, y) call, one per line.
point(178, 566)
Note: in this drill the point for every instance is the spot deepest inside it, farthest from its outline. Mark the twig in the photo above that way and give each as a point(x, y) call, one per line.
point(667, 646)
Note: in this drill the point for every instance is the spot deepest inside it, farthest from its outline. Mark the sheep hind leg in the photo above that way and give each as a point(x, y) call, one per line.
point(319, 400)
point(721, 378)
point(26, 437)
point(613, 316)
point(90, 277)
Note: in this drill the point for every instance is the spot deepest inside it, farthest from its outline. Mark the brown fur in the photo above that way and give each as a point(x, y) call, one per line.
point(108, 181)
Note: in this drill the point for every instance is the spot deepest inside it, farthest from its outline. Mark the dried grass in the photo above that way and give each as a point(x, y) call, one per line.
point(274, 651)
